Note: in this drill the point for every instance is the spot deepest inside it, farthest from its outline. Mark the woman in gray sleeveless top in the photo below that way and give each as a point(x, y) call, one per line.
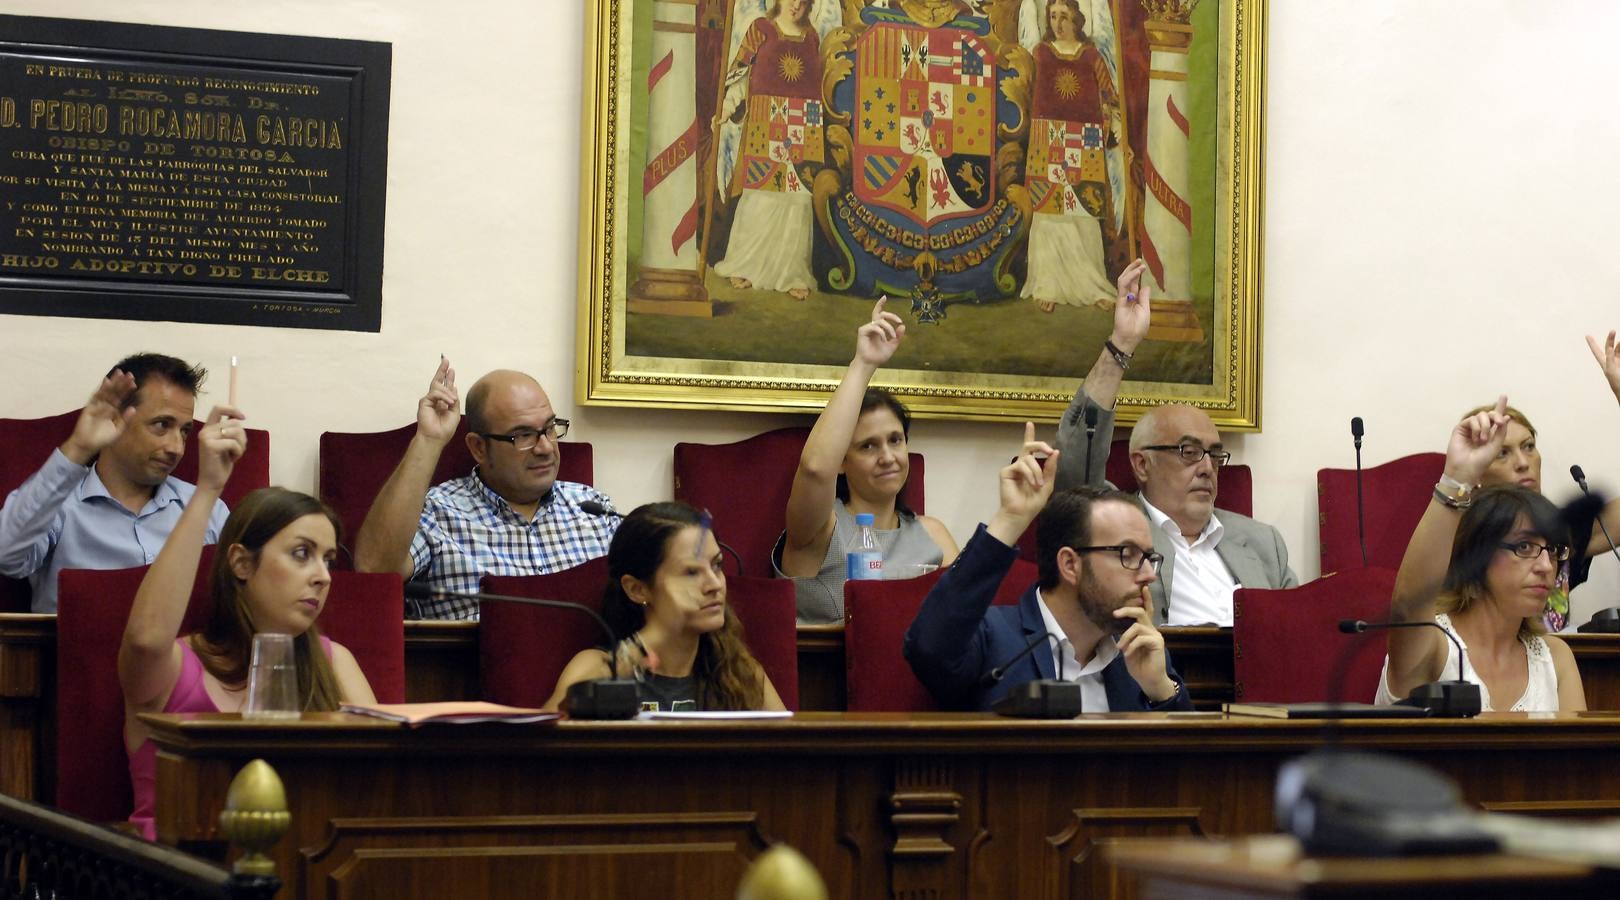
point(855, 461)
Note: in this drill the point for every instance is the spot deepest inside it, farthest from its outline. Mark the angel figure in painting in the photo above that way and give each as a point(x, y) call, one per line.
point(774, 88)
point(1074, 143)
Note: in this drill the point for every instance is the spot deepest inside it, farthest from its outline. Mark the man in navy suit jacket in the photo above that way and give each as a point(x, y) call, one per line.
point(1096, 561)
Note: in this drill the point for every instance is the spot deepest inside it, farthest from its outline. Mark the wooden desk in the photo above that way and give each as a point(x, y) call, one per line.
point(1272, 867)
point(936, 805)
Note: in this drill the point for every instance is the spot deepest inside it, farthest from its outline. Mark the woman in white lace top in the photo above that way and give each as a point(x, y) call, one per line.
point(1481, 564)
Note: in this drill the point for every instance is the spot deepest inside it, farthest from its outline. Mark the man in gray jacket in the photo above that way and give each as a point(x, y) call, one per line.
point(1176, 455)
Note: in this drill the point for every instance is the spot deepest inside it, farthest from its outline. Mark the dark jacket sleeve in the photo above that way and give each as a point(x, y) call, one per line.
point(946, 642)
point(1071, 440)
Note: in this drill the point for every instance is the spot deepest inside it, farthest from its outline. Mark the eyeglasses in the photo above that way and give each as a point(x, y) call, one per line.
point(1192, 453)
point(1531, 550)
point(1130, 556)
point(525, 438)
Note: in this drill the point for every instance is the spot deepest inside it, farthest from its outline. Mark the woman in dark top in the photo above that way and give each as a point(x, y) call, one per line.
point(666, 593)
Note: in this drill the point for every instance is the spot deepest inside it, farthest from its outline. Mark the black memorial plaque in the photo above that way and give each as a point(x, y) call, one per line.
point(189, 175)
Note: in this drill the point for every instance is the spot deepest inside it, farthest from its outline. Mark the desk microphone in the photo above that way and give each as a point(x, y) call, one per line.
point(1604, 621)
point(1356, 431)
point(1580, 479)
point(597, 509)
point(1043, 698)
point(1443, 699)
point(604, 698)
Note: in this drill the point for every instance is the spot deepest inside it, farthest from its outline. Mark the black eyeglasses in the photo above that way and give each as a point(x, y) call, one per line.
point(1192, 453)
point(1531, 550)
point(525, 438)
point(1130, 556)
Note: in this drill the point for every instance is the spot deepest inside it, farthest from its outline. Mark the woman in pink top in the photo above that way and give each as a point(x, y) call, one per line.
point(271, 573)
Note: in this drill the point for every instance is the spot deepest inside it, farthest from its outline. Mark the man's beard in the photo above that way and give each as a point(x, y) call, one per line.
point(1100, 608)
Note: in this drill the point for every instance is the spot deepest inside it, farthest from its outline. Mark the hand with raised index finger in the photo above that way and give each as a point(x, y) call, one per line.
point(220, 443)
point(103, 418)
point(1027, 482)
point(1476, 442)
point(876, 341)
point(1607, 355)
point(438, 413)
point(1133, 307)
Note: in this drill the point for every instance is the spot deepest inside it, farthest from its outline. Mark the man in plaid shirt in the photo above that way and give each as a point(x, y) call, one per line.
point(510, 516)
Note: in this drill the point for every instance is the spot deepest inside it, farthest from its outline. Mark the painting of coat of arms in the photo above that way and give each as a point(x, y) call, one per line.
point(759, 171)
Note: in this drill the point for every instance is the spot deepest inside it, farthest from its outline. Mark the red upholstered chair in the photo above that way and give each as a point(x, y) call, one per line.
point(29, 443)
point(354, 465)
point(365, 613)
point(768, 611)
point(1286, 643)
point(876, 616)
point(92, 767)
point(1236, 492)
point(523, 649)
point(745, 486)
point(1395, 495)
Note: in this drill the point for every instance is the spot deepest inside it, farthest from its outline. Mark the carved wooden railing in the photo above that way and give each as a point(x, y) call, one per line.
point(49, 855)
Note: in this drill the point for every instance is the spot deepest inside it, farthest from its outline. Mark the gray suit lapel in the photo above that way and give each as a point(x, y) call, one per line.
point(1240, 558)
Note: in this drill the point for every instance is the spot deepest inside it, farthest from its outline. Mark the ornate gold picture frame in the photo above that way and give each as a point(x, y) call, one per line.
point(757, 172)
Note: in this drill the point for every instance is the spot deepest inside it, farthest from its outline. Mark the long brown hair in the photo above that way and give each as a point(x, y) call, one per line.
point(727, 675)
point(226, 643)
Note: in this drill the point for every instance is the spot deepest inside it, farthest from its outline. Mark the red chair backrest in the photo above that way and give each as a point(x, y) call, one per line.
point(353, 466)
point(1395, 495)
point(1236, 492)
point(1286, 643)
point(745, 486)
point(768, 611)
point(523, 649)
point(29, 443)
point(92, 764)
point(876, 616)
point(365, 612)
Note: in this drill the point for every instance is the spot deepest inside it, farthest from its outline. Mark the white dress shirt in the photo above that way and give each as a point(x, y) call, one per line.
point(1201, 586)
point(1093, 693)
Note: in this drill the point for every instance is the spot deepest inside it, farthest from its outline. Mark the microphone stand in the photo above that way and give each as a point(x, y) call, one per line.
point(1458, 699)
point(1604, 621)
point(1356, 431)
point(1043, 698)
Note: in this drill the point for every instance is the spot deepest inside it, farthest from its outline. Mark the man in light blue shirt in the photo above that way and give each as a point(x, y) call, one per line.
point(105, 498)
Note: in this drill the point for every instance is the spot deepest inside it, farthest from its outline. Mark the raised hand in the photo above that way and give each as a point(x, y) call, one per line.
point(1133, 308)
point(1142, 645)
point(1476, 442)
point(877, 340)
point(103, 418)
point(1608, 359)
point(1026, 483)
point(220, 443)
point(438, 413)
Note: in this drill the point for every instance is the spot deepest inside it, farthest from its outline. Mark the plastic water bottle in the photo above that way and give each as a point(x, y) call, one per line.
point(866, 558)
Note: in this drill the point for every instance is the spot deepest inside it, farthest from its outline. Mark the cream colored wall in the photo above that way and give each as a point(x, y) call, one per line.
point(1439, 225)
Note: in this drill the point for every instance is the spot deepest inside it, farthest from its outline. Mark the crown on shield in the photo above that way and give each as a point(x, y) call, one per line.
point(1178, 12)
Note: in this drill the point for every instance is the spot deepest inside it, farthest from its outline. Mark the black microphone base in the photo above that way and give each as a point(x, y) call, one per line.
point(1604, 621)
point(616, 698)
point(1446, 699)
point(1044, 699)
